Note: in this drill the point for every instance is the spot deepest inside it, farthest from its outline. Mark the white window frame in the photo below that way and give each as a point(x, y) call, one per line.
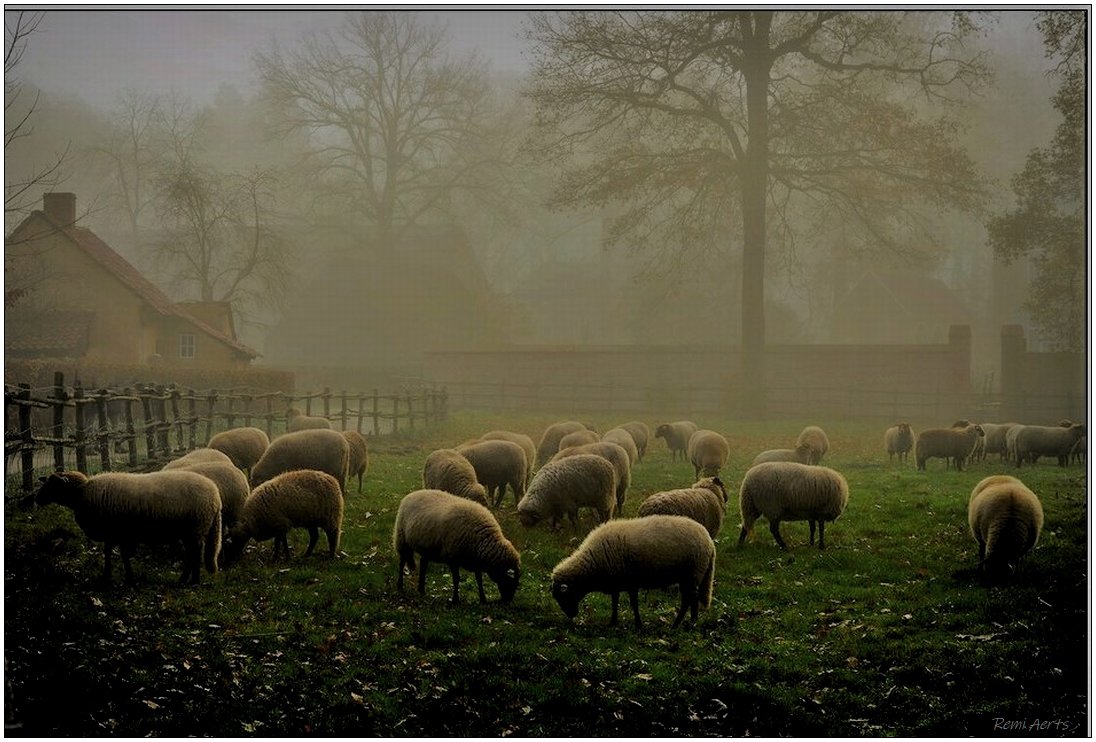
point(187, 346)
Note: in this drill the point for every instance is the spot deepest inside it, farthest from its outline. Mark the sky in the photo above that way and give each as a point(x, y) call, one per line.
point(96, 54)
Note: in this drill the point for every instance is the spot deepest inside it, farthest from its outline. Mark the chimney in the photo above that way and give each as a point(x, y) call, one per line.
point(60, 208)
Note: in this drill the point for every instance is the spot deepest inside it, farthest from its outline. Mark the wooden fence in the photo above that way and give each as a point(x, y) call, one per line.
point(142, 427)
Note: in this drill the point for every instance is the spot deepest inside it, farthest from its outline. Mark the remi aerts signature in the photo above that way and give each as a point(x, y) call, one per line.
point(1001, 724)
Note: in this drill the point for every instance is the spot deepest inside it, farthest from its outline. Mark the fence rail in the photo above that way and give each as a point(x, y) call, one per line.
point(142, 427)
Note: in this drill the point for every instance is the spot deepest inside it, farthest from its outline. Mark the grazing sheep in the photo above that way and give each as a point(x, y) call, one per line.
point(640, 434)
point(578, 438)
point(302, 498)
point(1080, 448)
point(1005, 519)
point(979, 451)
point(616, 456)
point(1033, 441)
point(131, 509)
point(657, 551)
point(785, 490)
point(198, 455)
point(321, 450)
point(800, 454)
point(522, 440)
point(445, 469)
point(357, 455)
point(457, 532)
point(1010, 441)
point(549, 441)
point(231, 484)
point(708, 452)
point(947, 443)
point(244, 446)
point(818, 441)
point(497, 464)
point(624, 439)
point(564, 485)
point(296, 420)
point(677, 436)
point(704, 502)
point(995, 438)
point(898, 440)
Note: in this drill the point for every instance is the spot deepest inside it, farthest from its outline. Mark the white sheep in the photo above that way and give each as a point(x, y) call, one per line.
point(704, 502)
point(640, 434)
point(1033, 441)
point(131, 509)
point(612, 453)
point(898, 440)
point(296, 420)
point(818, 441)
point(624, 439)
point(302, 498)
point(995, 438)
point(498, 463)
point(197, 456)
point(708, 452)
point(244, 446)
point(441, 527)
point(1010, 441)
point(979, 451)
point(561, 487)
point(800, 454)
point(1005, 519)
point(231, 484)
point(630, 554)
point(578, 438)
point(357, 455)
point(954, 444)
point(445, 469)
point(321, 450)
point(549, 441)
point(677, 436)
point(522, 440)
point(786, 490)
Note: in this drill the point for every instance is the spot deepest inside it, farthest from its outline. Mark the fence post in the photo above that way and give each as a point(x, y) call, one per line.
point(192, 419)
point(361, 414)
point(411, 410)
point(150, 436)
point(270, 417)
point(211, 401)
point(131, 432)
point(230, 419)
point(180, 424)
point(247, 410)
point(103, 437)
point(27, 447)
point(395, 413)
point(376, 413)
point(343, 414)
point(80, 433)
point(327, 402)
point(163, 427)
point(59, 421)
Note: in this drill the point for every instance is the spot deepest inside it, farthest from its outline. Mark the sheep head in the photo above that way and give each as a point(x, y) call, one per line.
point(62, 487)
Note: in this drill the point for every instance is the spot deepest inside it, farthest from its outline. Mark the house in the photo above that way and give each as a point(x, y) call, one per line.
point(67, 294)
point(894, 307)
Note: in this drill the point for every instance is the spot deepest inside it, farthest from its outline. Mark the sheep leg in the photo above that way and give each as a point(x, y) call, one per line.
point(499, 493)
point(422, 575)
point(688, 602)
point(774, 528)
point(313, 537)
point(192, 561)
point(332, 541)
point(127, 552)
point(479, 584)
point(616, 601)
point(455, 570)
point(633, 598)
point(811, 523)
point(108, 548)
point(743, 533)
point(407, 558)
point(821, 534)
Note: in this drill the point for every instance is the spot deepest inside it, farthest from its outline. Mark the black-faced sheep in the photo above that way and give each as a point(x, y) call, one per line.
point(612, 453)
point(522, 440)
point(231, 484)
point(320, 450)
point(624, 439)
point(131, 509)
point(302, 498)
point(296, 420)
point(1033, 441)
point(708, 452)
point(800, 454)
point(704, 502)
point(1005, 519)
point(445, 469)
point(498, 463)
point(444, 528)
point(549, 441)
point(357, 456)
point(627, 555)
point(786, 490)
point(954, 444)
point(561, 487)
point(578, 438)
point(898, 440)
point(819, 443)
point(640, 433)
point(677, 436)
point(197, 456)
point(244, 446)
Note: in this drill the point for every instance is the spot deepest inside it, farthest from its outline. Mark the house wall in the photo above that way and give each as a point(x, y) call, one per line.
point(207, 351)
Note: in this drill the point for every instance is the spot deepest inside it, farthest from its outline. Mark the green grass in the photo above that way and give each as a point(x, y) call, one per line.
point(887, 632)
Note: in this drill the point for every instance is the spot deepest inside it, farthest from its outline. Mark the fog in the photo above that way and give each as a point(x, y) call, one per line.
point(147, 112)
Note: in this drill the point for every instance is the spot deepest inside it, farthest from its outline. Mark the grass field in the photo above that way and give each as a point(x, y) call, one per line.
point(887, 632)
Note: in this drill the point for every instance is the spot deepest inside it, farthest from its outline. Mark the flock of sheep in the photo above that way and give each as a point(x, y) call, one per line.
point(243, 486)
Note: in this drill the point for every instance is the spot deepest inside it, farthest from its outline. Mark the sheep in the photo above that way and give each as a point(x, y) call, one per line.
point(497, 464)
point(357, 455)
point(995, 438)
point(677, 436)
point(624, 439)
point(296, 420)
point(800, 454)
point(786, 490)
point(616, 456)
point(302, 498)
point(198, 455)
point(1010, 441)
point(231, 484)
point(948, 443)
point(898, 440)
point(979, 451)
point(1033, 441)
point(704, 502)
point(657, 551)
point(818, 441)
point(578, 438)
point(1078, 454)
point(445, 469)
point(522, 440)
point(244, 446)
point(1005, 519)
point(562, 486)
point(460, 533)
point(131, 509)
point(321, 450)
point(549, 441)
point(640, 434)
point(708, 452)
